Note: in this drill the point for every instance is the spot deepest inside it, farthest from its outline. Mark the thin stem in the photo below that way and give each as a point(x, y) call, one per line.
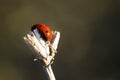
point(50, 73)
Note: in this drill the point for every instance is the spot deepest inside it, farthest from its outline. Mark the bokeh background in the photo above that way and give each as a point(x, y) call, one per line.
point(89, 47)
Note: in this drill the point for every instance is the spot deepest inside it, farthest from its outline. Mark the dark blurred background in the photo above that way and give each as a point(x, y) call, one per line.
point(89, 43)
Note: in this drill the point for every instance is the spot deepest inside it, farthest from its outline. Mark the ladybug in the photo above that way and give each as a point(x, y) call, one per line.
point(44, 31)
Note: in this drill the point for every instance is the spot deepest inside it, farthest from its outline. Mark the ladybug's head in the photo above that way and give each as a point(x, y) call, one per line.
point(44, 31)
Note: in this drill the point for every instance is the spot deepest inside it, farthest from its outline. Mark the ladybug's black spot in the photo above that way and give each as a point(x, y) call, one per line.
point(33, 27)
point(46, 31)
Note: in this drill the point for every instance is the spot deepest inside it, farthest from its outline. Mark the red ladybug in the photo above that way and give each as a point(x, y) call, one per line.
point(44, 31)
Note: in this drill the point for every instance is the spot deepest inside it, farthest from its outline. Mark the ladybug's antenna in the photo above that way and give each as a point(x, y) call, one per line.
point(43, 51)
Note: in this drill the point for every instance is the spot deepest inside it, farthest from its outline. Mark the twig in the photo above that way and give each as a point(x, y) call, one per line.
point(42, 49)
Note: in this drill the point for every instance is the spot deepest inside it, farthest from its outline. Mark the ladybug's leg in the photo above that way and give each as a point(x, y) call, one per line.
point(48, 61)
point(50, 58)
point(52, 50)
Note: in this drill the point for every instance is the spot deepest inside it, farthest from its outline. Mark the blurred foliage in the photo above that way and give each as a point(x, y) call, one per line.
point(89, 44)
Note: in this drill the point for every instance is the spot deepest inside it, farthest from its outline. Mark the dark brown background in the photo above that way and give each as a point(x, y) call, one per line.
point(89, 47)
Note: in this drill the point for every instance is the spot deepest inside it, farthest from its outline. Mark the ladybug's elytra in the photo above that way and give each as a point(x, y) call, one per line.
point(44, 31)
